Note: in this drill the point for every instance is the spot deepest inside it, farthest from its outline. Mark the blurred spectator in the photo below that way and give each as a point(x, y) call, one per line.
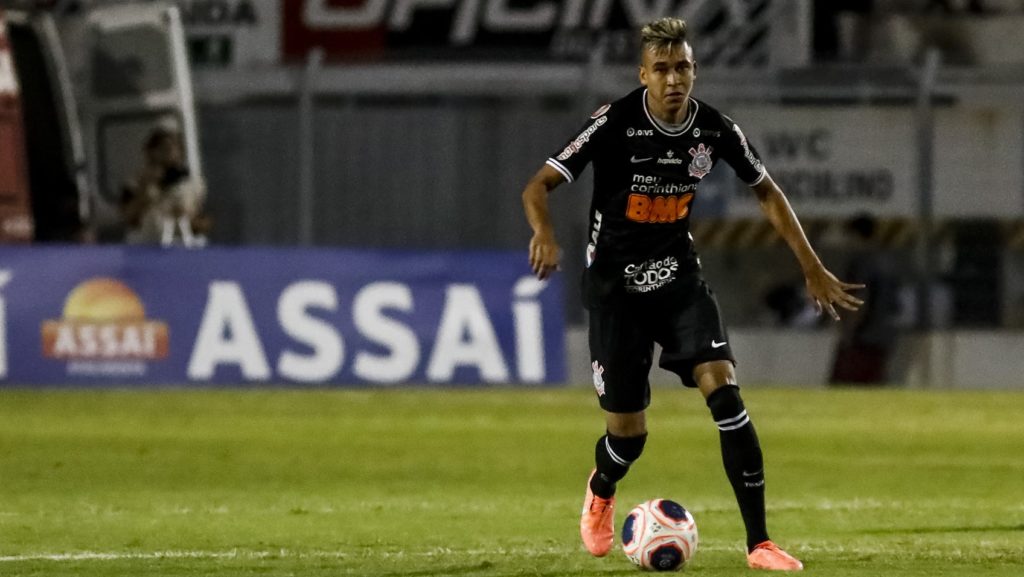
point(951, 6)
point(163, 205)
point(840, 28)
point(966, 32)
point(939, 5)
point(791, 306)
point(869, 337)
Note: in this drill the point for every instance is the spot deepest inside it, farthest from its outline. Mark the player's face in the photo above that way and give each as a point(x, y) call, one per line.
point(668, 75)
point(169, 152)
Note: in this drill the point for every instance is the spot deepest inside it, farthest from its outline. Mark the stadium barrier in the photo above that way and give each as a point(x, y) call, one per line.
point(947, 359)
point(129, 316)
point(134, 316)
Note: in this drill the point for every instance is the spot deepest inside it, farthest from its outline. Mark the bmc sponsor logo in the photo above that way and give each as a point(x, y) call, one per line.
point(658, 209)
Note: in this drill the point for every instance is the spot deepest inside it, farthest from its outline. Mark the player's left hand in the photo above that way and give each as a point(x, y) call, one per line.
point(827, 292)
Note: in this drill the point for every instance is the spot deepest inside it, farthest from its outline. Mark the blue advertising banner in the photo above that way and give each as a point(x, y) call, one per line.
point(137, 315)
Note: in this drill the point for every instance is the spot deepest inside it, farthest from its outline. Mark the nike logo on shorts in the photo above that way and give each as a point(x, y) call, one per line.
point(717, 345)
point(636, 160)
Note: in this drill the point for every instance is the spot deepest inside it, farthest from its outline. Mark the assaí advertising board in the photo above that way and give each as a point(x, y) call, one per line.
point(261, 316)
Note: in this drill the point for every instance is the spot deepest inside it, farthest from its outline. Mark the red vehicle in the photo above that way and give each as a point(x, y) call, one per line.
point(15, 207)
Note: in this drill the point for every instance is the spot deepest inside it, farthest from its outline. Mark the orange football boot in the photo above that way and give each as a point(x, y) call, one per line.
point(597, 522)
point(767, 555)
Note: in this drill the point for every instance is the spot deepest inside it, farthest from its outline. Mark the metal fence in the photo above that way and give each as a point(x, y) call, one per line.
point(436, 156)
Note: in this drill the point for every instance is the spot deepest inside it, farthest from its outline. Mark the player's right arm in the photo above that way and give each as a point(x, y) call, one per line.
point(563, 166)
point(544, 250)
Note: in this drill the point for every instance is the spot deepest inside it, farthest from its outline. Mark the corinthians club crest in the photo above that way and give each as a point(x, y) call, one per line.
point(598, 378)
point(700, 166)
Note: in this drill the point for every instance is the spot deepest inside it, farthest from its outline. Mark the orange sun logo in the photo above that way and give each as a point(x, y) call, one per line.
point(104, 320)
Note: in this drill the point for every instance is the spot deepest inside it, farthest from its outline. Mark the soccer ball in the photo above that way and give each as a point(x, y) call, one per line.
point(659, 535)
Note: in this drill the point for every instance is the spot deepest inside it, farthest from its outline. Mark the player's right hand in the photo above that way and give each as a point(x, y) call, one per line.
point(544, 254)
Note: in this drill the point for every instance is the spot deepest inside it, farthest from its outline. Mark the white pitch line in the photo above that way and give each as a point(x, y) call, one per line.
point(979, 553)
point(444, 551)
point(287, 554)
point(101, 556)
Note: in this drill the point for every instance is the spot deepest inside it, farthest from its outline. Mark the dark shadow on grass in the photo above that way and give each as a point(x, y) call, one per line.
point(457, 570)
point(986, 529)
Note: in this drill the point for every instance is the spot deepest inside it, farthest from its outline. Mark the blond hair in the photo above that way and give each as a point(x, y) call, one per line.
point(662, 34)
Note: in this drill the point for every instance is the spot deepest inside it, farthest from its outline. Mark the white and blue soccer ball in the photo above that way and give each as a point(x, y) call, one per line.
point(659, 535)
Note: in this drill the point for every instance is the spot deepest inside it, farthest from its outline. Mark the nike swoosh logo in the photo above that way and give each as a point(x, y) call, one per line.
point(636, 160)
point(754, 474)
point(715, 344)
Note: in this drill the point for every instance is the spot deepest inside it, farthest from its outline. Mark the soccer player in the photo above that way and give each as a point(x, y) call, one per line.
point(643, 284)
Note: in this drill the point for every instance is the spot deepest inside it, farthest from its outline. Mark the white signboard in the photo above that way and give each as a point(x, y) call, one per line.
point(833, 162)
point(838, 162)
point(232, 33)
point(979, 162)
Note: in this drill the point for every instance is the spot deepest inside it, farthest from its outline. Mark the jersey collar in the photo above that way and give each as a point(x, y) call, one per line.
point(691, 114)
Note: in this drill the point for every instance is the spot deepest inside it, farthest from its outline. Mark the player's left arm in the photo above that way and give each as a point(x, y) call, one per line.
point(824, 288)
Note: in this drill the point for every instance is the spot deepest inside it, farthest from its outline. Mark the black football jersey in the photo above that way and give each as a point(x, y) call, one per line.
point(645, 186)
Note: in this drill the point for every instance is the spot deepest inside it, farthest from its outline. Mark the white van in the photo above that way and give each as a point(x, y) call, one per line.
point(113, 71)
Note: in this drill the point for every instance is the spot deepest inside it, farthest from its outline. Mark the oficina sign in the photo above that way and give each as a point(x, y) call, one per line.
point(129, 315)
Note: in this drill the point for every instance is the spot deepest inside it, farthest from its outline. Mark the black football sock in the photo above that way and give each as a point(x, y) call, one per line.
point(614, 455)
point(741, 455)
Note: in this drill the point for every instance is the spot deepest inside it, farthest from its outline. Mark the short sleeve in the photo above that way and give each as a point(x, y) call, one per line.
point(741, 154)
point(571, 159)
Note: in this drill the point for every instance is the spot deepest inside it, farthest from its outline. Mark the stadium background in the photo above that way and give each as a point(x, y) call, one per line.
point(364, 161)
point(413, 125)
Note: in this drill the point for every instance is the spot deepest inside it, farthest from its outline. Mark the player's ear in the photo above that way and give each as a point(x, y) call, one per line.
point(643, 75)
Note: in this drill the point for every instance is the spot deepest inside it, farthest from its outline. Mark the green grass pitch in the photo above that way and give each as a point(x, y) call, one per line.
point(420, 482)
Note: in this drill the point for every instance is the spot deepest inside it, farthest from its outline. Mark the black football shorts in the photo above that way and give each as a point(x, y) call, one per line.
point(686, 323)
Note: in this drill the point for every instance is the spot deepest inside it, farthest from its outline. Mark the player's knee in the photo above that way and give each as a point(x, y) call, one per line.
point(625, 450)
point(626, 424)
point(727, 408)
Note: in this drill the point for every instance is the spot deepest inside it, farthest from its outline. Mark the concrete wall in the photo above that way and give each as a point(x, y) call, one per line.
point(801, 358)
